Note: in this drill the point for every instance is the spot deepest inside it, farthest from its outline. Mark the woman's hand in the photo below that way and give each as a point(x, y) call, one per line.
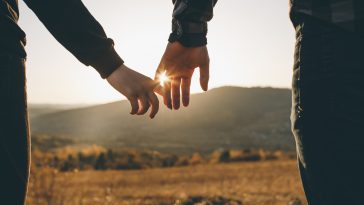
point(137, 88)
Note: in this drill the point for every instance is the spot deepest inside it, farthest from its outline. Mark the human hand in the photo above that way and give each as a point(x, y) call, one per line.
point(178, 63)
point(137, 88)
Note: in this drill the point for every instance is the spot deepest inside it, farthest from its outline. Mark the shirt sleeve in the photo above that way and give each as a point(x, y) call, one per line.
point(189, 23)
point(78, 31)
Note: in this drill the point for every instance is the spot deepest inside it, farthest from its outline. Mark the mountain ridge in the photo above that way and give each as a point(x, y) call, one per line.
point(227, 117)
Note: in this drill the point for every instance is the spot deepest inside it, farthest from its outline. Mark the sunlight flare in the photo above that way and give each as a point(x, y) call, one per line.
point(163, 78)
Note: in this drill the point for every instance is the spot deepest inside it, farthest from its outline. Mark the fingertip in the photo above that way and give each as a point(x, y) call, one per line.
point(176, 104)
point(154, 112)
point(185, 102)
point(176, 92)
point(152, 116)
point(167, 96)
point(204, 76)
point(166, 103)
point(143, 111)
point(154, 104)
point(145, 104)
point(204, 86)
point(169, 103)
point(185, 87)
point(134, 106)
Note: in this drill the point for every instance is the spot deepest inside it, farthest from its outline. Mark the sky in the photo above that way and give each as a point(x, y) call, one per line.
point(250, 44)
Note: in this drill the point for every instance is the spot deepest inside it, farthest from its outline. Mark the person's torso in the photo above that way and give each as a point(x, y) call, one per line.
point(12, 37)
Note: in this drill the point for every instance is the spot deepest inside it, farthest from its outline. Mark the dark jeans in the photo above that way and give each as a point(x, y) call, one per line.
point(328, 113)
point(14, 134)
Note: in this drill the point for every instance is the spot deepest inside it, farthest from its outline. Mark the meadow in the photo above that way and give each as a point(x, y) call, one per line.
point(204, 155)
point(249, 183)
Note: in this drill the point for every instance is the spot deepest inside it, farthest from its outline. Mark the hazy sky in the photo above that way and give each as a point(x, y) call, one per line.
point(250, 43)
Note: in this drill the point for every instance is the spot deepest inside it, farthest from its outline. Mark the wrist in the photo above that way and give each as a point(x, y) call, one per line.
point(117, 72)
point(107, 62)
point(190, 40)
point(189, 34)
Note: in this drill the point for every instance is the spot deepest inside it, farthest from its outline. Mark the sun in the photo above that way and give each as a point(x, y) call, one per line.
point(163, 78)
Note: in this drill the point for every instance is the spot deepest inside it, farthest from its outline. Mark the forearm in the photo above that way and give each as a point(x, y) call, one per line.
point(76, 29)
point(189, 24)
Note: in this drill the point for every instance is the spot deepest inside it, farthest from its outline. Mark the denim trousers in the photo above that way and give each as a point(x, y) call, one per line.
point(14, 132)
point(328, 112)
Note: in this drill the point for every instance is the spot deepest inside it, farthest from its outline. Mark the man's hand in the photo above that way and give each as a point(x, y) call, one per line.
point(137, 88)
point(179, 63)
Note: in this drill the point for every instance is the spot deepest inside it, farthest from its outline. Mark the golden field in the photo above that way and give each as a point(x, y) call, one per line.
point(250, 183)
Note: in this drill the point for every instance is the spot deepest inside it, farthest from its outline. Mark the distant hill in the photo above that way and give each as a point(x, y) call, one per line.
point(36, 110)
point(227, 117)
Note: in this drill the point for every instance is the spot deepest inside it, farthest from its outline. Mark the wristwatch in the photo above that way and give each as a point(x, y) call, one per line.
point(189, 34)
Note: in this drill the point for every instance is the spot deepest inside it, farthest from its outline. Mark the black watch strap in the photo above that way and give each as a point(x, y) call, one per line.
point(189, 34)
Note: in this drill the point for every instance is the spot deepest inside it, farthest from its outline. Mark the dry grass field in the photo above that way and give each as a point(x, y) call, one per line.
point(251, 183)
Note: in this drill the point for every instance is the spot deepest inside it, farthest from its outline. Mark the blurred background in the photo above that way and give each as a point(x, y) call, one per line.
point(232, 145)
point(250, 44)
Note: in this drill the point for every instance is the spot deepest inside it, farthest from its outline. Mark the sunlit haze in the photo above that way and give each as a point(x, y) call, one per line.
point(250, 44)
point(163, 78)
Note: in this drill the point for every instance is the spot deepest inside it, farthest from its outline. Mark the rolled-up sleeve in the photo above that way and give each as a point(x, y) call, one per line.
point(189, 23)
